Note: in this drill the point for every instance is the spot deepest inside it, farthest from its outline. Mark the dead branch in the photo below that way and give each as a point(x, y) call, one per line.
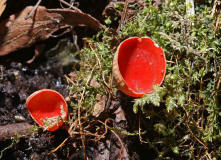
point(16, 129)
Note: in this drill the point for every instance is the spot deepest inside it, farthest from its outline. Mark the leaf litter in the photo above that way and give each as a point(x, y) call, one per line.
point(2, 6)
point(17, 33)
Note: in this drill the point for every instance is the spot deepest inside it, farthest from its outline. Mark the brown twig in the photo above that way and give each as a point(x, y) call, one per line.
point(121, 143)
point(214, 7)
point(92, 48)
point(218, 83)
point(33, 10)
point(217, 24)
point(16, 129)
point(110, 93)
point(54, 150)
point(69, 5)
point(69, 80)
point(106, 129)
point(104, 81)
point(139, 132)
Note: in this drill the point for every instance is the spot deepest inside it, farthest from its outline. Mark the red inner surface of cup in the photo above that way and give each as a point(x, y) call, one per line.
point(46, 103)
point(141, 63)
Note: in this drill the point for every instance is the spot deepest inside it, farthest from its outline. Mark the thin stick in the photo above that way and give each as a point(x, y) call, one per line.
point(69, 5)
point(98, 60)
point(54, 150)
point(92, 48)
point(110, 92)
point(121, 143)
point(218, 84)
point(106, 127)
point(217, 24)
point(139, 132)
point(214, 7)
point(11, 130)
point(33, 10)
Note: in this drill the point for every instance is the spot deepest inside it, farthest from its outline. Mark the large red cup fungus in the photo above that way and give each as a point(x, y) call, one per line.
point(138, 65)
point(48, 108)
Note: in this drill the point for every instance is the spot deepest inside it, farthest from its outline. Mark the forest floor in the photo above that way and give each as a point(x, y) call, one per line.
point(69, 47)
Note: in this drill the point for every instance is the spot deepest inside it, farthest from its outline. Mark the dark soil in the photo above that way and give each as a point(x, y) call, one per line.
point(18, 80)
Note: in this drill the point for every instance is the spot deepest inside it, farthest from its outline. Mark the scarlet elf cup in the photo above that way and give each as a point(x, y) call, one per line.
point(138, 65)
point(48, 108)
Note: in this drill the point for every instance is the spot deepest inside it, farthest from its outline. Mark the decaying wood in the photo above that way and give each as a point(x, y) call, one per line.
point(16, 129)
point(17, 33)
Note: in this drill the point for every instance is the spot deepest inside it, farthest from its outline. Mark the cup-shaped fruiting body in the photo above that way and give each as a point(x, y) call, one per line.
point(48, 108)
point(138, 65)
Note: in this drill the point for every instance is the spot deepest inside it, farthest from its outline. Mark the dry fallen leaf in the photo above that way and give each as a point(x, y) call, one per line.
point(77, 17)
point(94, 83)
point(17, 33)
point(2, 6)
point(99, 106)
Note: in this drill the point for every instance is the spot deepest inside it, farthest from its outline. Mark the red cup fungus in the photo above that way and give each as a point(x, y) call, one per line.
point(48, 108)
point(138, 64)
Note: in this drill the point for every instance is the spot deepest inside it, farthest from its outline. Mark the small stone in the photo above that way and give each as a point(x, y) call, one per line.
point(19, 118)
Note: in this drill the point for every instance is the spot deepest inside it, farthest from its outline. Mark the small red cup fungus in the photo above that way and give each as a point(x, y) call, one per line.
point(48, 108)
point(138, 64)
